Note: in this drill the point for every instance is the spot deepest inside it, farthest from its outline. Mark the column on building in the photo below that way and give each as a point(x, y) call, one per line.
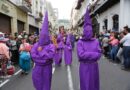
point(124, 13)
point(102, 25)
point(110, 22)
point(101, 21)
point(14, 25)
point(26, 26)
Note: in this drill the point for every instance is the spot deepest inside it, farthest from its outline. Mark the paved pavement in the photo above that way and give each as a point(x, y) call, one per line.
point(67, 78)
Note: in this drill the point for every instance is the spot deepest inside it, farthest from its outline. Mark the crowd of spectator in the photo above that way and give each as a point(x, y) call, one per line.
point(116, 46)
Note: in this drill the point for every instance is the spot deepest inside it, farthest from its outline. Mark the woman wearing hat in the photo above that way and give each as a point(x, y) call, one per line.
point(4, 54)
point(25, 58)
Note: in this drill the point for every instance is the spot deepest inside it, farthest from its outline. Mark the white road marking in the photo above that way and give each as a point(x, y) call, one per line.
point(53, 70)
point(18, 72)
point(6, 81)
point(2, 84)
point(70, 82)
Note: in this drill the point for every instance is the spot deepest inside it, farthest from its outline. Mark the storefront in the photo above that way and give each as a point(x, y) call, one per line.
point(95, 26)
point(20, 26)
point(112, 15)
point(33, 29)
point(5, 24)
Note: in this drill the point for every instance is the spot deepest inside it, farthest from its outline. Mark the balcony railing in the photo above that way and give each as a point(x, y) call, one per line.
point(25, 5)
point(102, 6)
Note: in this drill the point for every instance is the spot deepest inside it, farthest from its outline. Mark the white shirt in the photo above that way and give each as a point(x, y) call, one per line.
point(105, 41)
point(126, 40)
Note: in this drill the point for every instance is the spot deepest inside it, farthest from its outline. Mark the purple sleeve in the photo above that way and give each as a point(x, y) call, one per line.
point(48, 53)
point(87, 56)
point(44, 55)
point(99, 51)
point(34, 52)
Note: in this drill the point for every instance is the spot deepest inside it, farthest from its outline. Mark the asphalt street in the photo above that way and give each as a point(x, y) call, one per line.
point(67, 77)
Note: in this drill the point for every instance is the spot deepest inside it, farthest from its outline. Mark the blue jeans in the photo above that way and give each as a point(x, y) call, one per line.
point(113, 52)
point(126, 55)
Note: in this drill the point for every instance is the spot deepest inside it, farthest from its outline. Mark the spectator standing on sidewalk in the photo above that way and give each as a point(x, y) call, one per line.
point(126, 48)
point(18, 41)
point(110, 43)
point(4, 55)
point(14, 50)
point(31, 39)
point(25, 59)
point(105, 45)
point(114, 47)
point(120, 51)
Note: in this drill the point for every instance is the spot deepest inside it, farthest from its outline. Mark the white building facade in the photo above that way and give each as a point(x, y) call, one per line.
point(112, 15)
point(106, 14)
point(53, 16)
point(17, 16)
point(77, 14)
point(78, 11)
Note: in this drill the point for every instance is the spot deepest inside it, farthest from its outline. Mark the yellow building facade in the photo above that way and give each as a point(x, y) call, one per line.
point(14, 18)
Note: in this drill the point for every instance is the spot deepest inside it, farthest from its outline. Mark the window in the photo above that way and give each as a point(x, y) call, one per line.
point(105, 24)
point(115, 22)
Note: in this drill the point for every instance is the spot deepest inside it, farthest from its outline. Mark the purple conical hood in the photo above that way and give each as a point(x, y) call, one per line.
point(44, 38)
point(87, 28)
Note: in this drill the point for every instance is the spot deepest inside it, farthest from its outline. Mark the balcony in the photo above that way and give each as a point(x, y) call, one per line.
point(39, 16)
point(25, 5)
point(102, 6)
point(79, 4)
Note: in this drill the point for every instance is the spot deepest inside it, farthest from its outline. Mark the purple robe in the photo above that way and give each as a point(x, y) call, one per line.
point(68, 51)
point(59, 50)
point(89, 53)
point(42, 72)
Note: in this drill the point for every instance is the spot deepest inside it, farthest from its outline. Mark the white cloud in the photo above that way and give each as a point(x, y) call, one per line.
point(64, 7)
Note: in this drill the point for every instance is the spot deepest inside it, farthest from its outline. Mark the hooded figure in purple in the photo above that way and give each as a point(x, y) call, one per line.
point(42, 54)
point(59, 48)
point(89, 53)
point(68, 51)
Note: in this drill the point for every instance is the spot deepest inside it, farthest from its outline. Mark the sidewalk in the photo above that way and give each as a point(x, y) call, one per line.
point(4, 79)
